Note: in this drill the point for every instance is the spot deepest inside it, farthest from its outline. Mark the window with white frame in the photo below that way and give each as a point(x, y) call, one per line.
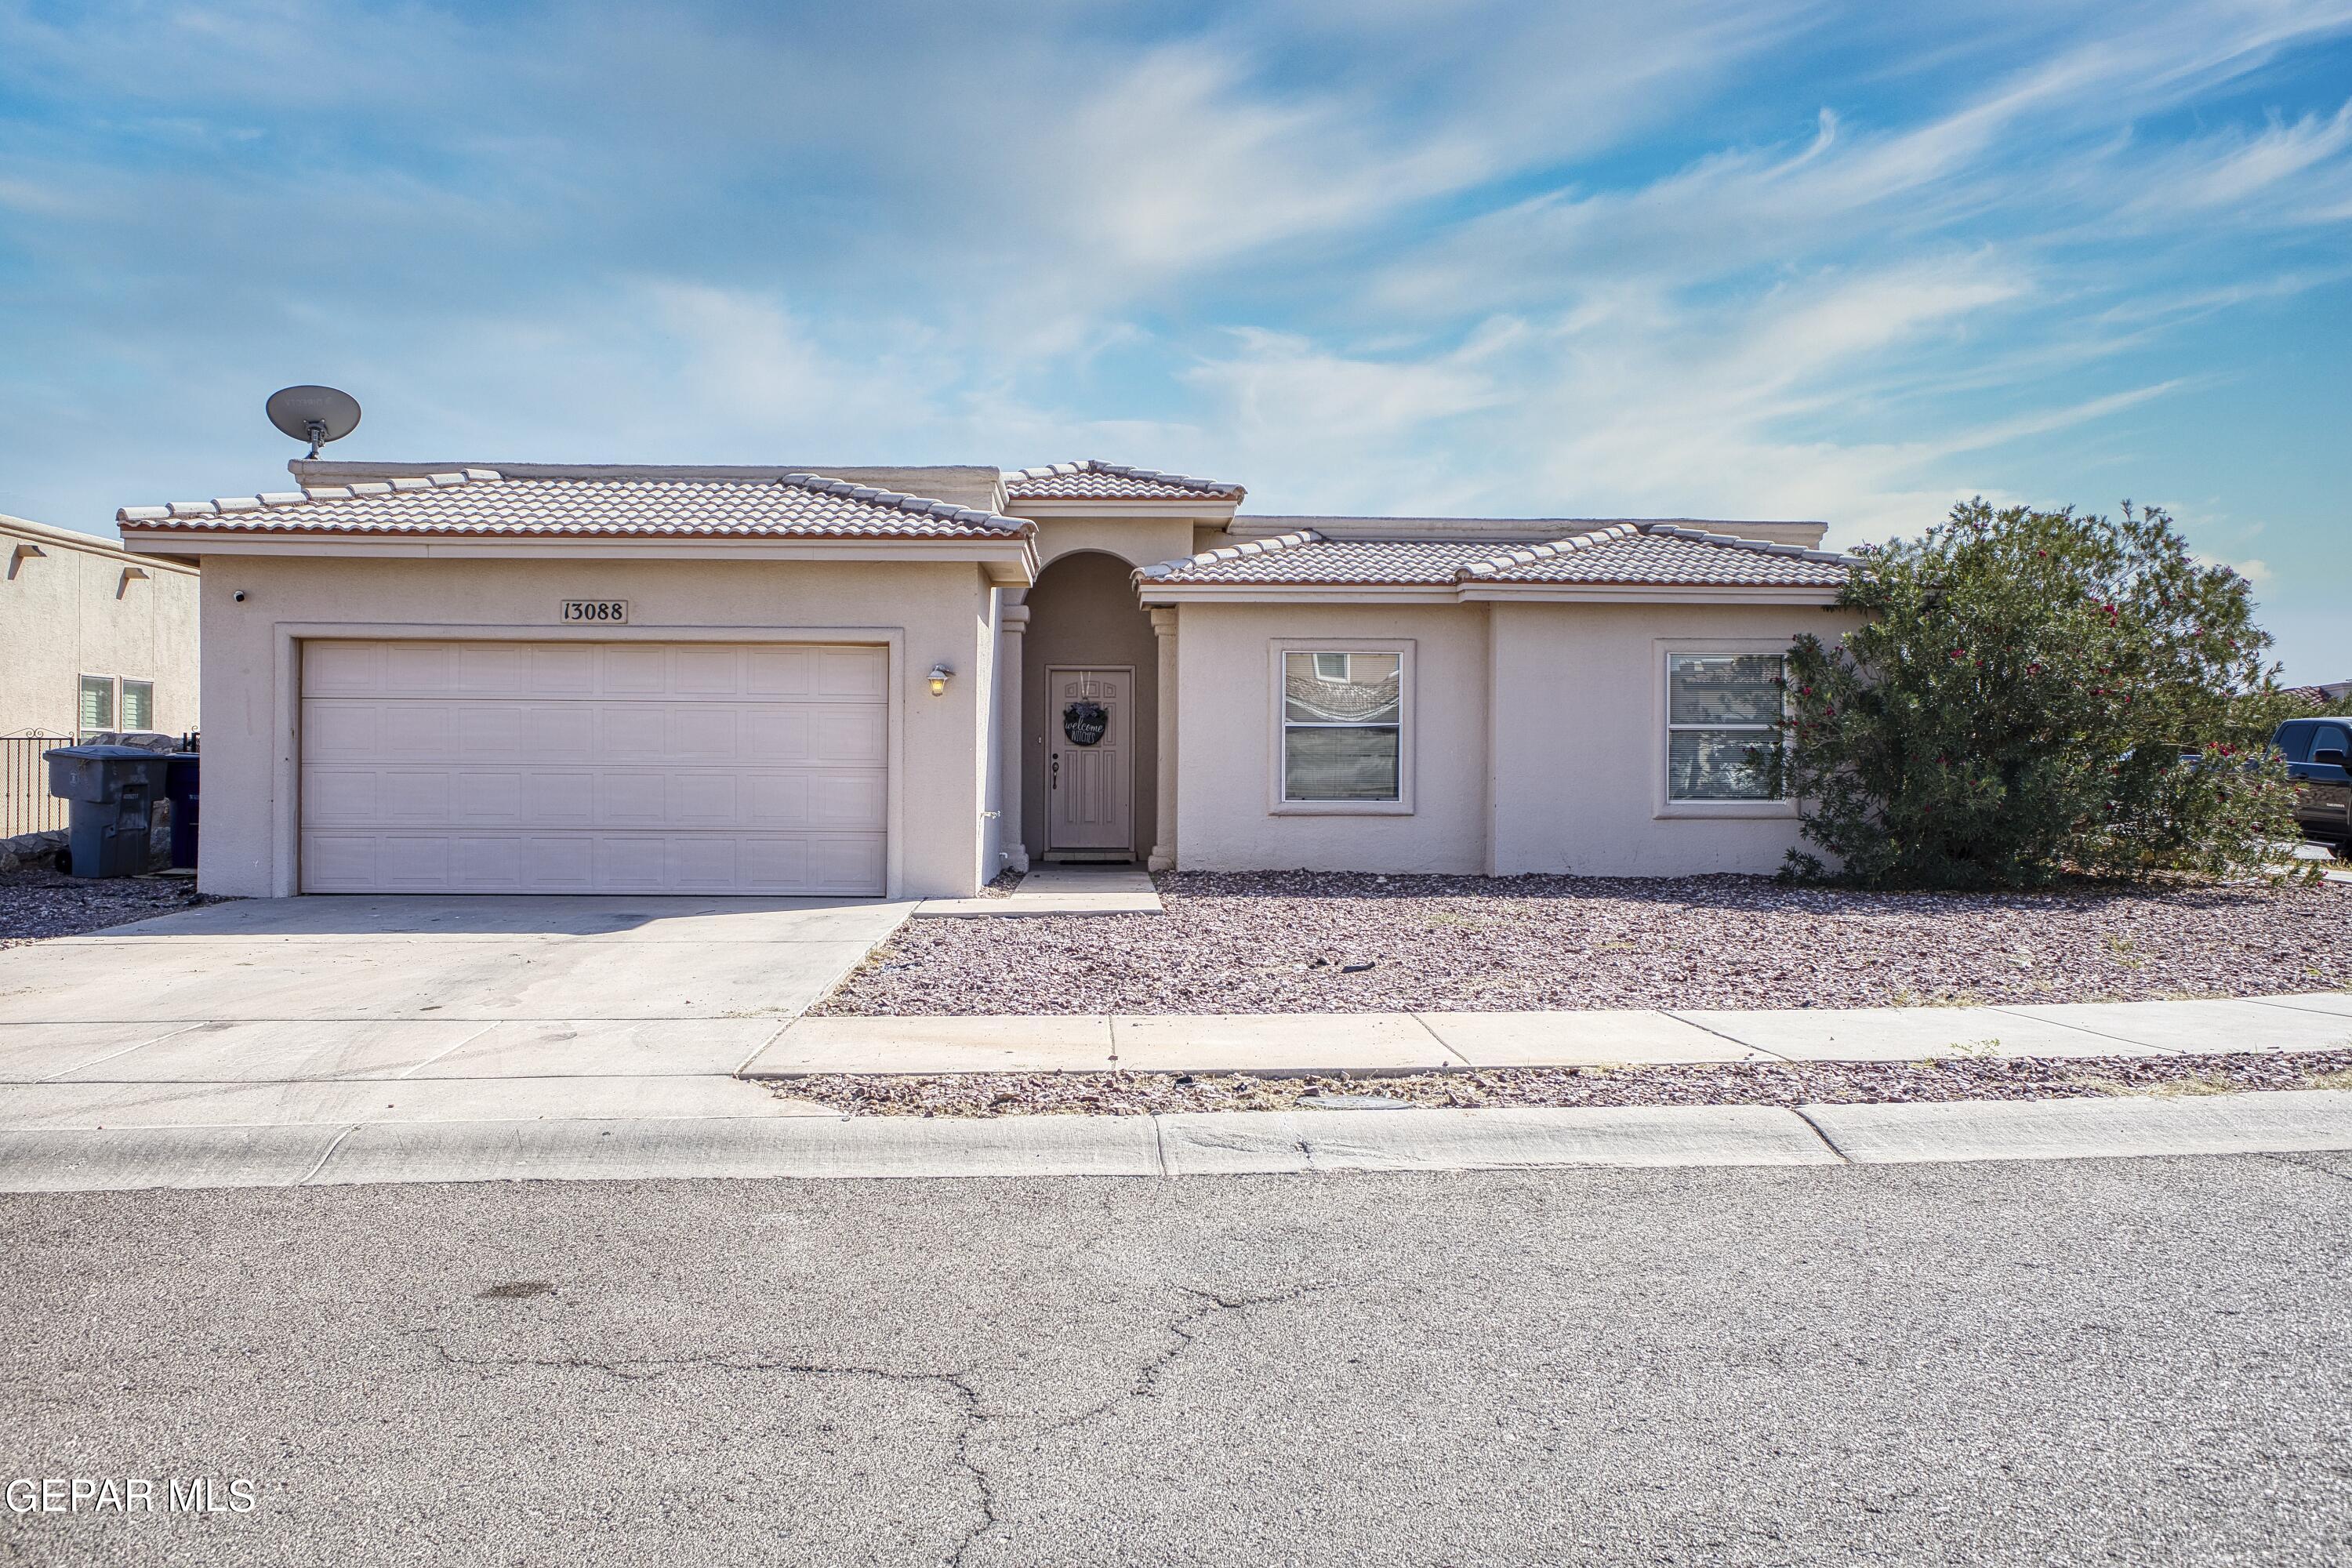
point(1343, 726)
point(1723, 713)
point(138, 704)
point(96, 708)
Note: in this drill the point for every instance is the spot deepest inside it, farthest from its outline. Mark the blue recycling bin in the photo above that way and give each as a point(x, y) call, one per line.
point(180, 788)
point(110, 793)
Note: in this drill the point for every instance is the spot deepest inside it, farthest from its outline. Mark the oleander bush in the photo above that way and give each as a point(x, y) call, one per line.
point(2034, 694)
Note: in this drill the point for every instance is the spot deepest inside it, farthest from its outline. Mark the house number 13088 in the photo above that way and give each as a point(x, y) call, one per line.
point(609, 611)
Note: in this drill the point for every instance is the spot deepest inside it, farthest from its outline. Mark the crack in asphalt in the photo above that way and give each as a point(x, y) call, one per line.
point(972, 1414)
point(1182, 1331)
point(973, 1417)
point(2315, 1168)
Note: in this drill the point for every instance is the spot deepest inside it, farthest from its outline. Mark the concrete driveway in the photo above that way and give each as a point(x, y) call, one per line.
point(299, 1010)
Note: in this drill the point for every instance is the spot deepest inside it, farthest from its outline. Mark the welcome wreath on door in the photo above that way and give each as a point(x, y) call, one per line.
point(1085, 722)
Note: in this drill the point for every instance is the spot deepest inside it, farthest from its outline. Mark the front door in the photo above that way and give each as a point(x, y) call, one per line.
point(1089, 760)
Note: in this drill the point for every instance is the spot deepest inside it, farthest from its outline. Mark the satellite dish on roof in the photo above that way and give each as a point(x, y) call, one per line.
point(314, 413)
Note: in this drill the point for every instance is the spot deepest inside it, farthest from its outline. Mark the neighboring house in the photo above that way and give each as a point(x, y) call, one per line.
point(546, 678)
point(92, 637)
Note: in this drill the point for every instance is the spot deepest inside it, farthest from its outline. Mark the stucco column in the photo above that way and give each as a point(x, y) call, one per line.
point(1012, 621)
point(1163, 850)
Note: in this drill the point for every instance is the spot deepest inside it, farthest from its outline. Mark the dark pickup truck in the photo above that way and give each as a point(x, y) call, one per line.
point(2315, 751)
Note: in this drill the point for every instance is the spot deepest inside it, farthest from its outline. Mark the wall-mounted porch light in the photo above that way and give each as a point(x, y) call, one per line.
point(940, 674)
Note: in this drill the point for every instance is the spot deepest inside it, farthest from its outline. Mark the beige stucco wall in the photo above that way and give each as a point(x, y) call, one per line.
point(1137, 540)
point(1226, 819)
point(1580, 759)
point(1536, 743)
point(939, 612)
point(69, 612)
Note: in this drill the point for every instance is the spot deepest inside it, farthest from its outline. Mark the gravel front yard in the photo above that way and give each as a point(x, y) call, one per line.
point(1739, 1083)
point(1301, 941)
point(38, 904)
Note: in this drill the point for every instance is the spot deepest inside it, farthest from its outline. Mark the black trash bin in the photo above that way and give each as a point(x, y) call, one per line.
point(180, 787)
point(112, 791)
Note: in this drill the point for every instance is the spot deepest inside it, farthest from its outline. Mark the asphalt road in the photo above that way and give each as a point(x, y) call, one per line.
point(2131, 1362)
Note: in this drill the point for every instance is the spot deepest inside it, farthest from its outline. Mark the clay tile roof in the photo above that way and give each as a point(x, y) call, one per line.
point(1307, 557)
point(1092, 481)
point(1663, 554)
point(482, 501)
point(1628, 554)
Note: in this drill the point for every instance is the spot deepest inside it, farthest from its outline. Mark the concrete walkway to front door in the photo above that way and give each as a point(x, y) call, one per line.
point(276, 1011)
point(1056, 890)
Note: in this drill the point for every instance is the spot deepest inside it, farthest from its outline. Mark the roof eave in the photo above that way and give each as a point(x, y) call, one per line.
point(1155, 593)
point(1160, 593)
point(1477, 592)
point(1203, 508)
point(1009, 559)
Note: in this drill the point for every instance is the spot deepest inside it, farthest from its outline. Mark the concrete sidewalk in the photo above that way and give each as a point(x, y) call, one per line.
point(1206, 1144)
point(1373, 1044)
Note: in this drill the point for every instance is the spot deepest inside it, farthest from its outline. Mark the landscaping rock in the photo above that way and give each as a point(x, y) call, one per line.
point(1707, 1083)
point(1296, 942)
point(39, 903)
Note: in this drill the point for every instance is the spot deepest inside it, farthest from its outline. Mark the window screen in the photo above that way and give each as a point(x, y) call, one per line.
point(139, 705)
point(1723, 725)
point(97, 703)
point(1342, 726)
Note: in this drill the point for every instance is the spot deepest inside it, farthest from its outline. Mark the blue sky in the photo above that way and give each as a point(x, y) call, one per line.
point(1848, 263)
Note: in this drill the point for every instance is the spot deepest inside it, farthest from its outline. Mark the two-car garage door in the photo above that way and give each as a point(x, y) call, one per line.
point(510, 767)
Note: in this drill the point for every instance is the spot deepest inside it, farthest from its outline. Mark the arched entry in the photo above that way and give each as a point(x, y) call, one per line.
point(1091, 714)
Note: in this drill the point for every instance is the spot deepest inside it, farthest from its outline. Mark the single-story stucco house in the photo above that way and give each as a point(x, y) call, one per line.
point(519, 677)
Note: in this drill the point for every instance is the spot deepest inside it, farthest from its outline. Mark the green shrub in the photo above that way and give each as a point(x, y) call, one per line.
point(2016, 705)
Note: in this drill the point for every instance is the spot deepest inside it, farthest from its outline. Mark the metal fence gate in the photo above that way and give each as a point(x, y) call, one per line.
point(26, 803)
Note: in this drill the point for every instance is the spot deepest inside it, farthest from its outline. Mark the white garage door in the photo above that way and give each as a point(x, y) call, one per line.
point(501, 767)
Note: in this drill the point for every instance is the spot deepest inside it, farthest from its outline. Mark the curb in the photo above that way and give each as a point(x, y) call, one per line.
point(1196, 1144)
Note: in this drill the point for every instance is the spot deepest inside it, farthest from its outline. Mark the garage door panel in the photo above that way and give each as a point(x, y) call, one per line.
point(776, 799)
point(482, 797)
point(564, 799)
point(559, 863)
point(786, 860)
point(633, 670)
point(417, 732)
point(844, 865)
point(346, 669)
point(334, 731)
point(706, 672)
point(851, 734)
point(408, 797)
point(489, 669)
point(428, 670)
point(344, 797)
point(585, 767)
point(487, 863)
point(554, 729)
point(778, 734)
point(705, 799)
point(847, 800)
point(856, 675)
point(485, 731)
point(703, 734)
point(565, 672)
point(629, 799)
point(788, 673)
